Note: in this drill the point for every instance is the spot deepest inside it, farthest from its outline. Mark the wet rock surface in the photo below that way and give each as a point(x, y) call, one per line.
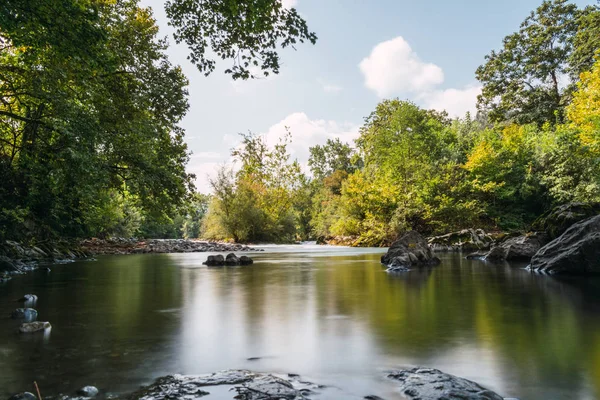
point(135, 246)
point(88, 391)
point(520, 248)
point(26, 314)
point(32, 327)
point(575, 252)
point(245, 385)
point(23, 396)
point(432, 384)
point(410, 251)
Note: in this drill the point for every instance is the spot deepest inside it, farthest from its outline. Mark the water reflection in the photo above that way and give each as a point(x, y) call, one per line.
point(333, 315)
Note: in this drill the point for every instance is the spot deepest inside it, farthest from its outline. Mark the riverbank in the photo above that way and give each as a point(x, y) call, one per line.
point(17, 258)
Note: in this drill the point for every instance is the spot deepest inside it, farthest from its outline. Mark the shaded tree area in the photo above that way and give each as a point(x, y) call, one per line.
point(90, 106)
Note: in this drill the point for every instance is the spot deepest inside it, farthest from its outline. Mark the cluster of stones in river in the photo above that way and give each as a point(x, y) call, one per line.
point(231, 260)
point(29, 316)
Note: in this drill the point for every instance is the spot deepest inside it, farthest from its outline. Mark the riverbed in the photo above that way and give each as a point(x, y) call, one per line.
point(330, 314)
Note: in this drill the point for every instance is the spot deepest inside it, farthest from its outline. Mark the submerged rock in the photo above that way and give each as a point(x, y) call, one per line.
point(88, 391)
point(432, 384)
point(23, 396)
point(29, 299)
point(575, 252)
point(411, 250)
point(32, 327)
point(248, 386)
point(27, 314)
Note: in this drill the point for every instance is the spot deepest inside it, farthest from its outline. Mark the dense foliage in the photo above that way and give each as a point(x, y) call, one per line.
point(535, 143)
point(90, 142)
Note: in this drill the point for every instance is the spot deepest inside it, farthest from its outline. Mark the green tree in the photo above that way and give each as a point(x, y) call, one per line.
point(333, 156)
point(521, 82)
point(247, 32)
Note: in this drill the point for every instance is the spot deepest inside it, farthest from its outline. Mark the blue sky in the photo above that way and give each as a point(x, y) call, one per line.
point(424, 51)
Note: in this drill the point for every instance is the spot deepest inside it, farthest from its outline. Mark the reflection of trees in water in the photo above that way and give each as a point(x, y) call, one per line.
point(105, 328)
point(544, 329)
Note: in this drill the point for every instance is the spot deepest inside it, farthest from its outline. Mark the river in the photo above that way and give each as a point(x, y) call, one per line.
point(331, 314)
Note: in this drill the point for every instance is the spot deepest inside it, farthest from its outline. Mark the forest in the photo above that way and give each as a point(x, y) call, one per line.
point(90, 143)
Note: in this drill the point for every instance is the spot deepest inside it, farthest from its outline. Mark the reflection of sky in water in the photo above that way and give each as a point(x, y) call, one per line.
point(329, 313)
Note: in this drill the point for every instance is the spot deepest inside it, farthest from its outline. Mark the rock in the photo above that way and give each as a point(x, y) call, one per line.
point(88, 391)
point(23, 396)
point(232, 260)
point(247, 385)
point(215, 261)
point(245, 260)
point(432, 384)
point(31, 327)
point(465, 240)
point(520, 248)
point(559, 219)
point(29, 299)
point(8, 265)
point(575, 252)
point(27, 314)
point(411, 250)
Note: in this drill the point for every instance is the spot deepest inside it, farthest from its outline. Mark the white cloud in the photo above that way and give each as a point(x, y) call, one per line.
point(393, 67)
point(455, 101)
point(307, 132)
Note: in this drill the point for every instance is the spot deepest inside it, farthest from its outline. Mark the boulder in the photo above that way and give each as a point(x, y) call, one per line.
point(88, 391)
point(232, 260)
point(556, 221)
point(520, 248)
point(27, 314)
point(432, 384)
point(465, 240)
point(32, 327)
point(245, 260)
point(29, 300)
point(575, 252)
point(215, 261)
point(411, 250)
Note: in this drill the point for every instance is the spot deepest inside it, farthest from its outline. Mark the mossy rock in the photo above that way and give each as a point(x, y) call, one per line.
point(556, 221)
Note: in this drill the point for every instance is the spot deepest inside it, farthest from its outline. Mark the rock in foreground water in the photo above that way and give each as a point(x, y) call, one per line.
point(32, 327)
point(23, 396)
point(575, 252)
point(248, 386)
point(88, 391)
point(432, 384)
point(411, 250)
point(27, 314)
point(231, 260)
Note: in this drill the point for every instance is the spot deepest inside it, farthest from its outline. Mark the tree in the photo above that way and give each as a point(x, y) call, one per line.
point(333, 156)
point(248, 32)
point(586, 42)
point(521, 82)
point(75, 125)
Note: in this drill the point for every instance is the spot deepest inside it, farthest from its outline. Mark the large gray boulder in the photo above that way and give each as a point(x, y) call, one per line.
point(411, 250)
point(432, 384)
point(520, 248)
point(215, 261)
point(575, 252)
